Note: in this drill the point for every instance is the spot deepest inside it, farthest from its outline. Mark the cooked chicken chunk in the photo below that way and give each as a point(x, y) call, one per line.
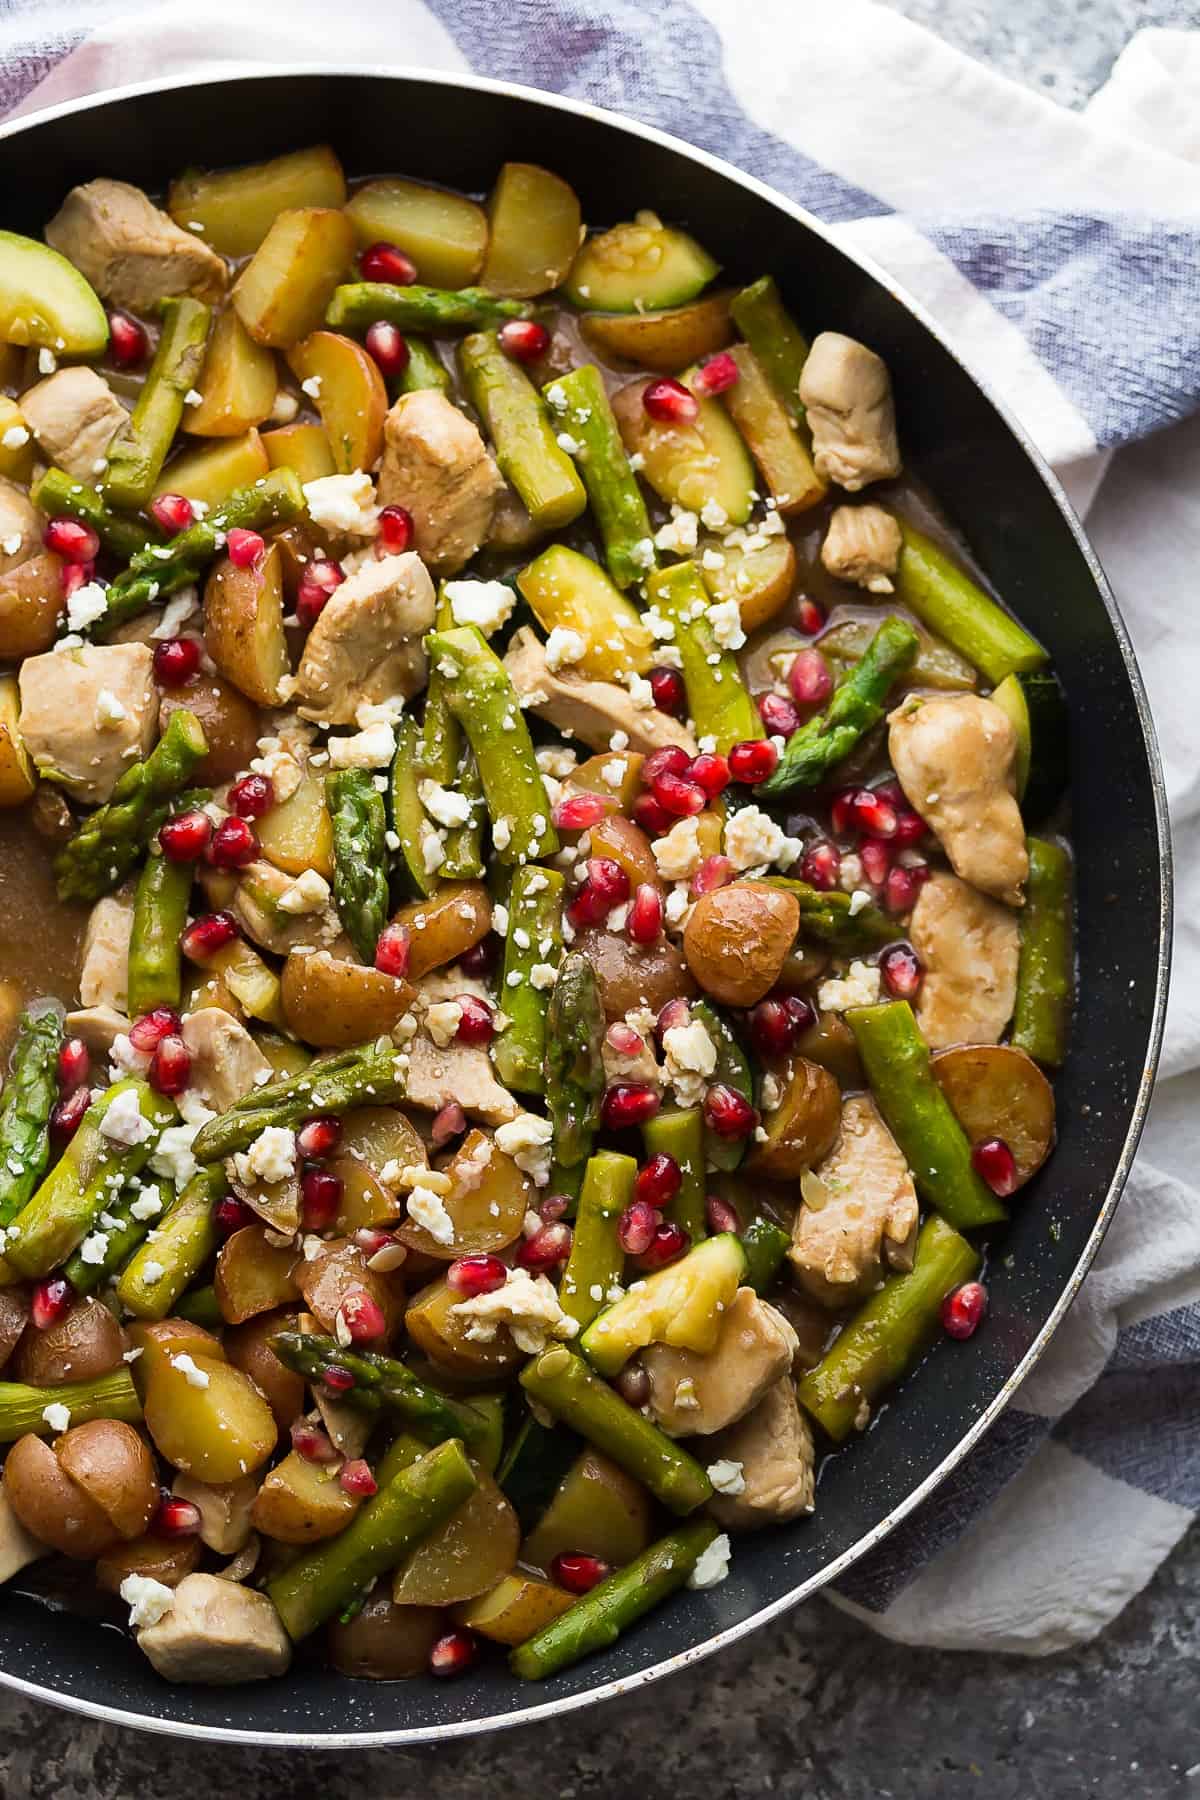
point(969, 946)
point(255, 907)
point(20, 526)
point(74, 415)
point(588, 710)
point(87, 713)
point(98, 1026)
point(847, 393)
point(225, 1058)
point(217, 1631)
point(955, 756)
point(18, 1547)
point(863, 545)
point(869, 1216)
point(692, 1394)
point(461, 1072)
point(224, 1509)
point(133, 254)
point(366, 644)
point(774, 1447)
point(437, 465)
point(103, 977)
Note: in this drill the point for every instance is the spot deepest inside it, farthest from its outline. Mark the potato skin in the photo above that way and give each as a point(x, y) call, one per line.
point(445, 926)
point(112, 1465)
point(230, 723)
point(737, 940)
point(633, 975)
point(332, 1003)
point(86, 1342)
point(803, 1126)
point(252, 1275)
point(248, 1348)
point(14, 1316)
point(628, 845)
point(163, 1559)
point(384, 1642)
point(996, 1090)
point(52, 1506)
point(31, 600)
point(301, 1502)
point(326, 1280)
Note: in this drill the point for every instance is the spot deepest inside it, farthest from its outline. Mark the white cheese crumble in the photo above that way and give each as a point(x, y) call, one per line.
point(691, 1058)
point(425, 1208)
point(543, 976)
point(641, 693)
point(194, 1376)
point(271, 1157)
point(47, 361)
point(752, 838)
point(175, 613)
point(564, 647)
point(109, 710)
point(148, 1600)
point(527, 1140)
point(859, 986)
point(370, 749)
point(123, 1122)
point(726, 1476)
point(15, 438)
point(343, 502)
point(57, 1416)
point(725, 621)
point(148, 1204)
point(443, 1020)
point(527, 1304)
point(712, 1565)
point(677, 852)
point(443, 804)
point(485, 604)
point(680, 532)
point(87, 604)
point(309, 893)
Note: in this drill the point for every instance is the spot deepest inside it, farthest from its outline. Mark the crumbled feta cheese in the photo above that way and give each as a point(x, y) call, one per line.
point(148, 1600)
point(443, 804)
point(311, 386)
point(57, 1416)
point(680, 532)
point(485, 604)
point(858, 900)
point(309, 893)
point(557, 761)
point(87, 604)
point(685, 1396)
point(850, 873)
point(370, 749)
point(726, 1476)
point(677, 852)
point(175, 613)
point(148, 1204)
point(564, 647)
point(712, 559)
point(556, 398)
point(641, 693)
point(726, 623)
point(172, 1156)
point(271, 1157)
point(123, 1122)
point(678, 903)
point(152, 1272)
point(192, 1374)
point(11, 545)
point(443, 1021)
point(527, 1140)
point(15, 438)
point(433, 848)
point(642, 553)
point(752, 838)
point(543, 976)
point(712, 1565)
point(47, 361)
point(109, 710)
point(713, 515)
point(343, 502)
point(659, 627)
point(427, 1209)
point(527, 1304)
point(770, 1092)
point(858, 987)
point(691, 1057)
point(502, 834)
point(193, 397)
point(570, 445)
point(612, 773)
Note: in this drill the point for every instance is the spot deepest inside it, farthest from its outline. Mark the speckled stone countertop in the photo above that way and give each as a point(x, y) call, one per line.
point(814, 1707)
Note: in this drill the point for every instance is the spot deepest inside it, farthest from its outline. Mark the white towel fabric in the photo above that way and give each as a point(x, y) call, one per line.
point(1061, 251)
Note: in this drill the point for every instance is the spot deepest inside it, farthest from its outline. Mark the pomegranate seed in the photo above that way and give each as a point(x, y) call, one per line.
point(454, 1653)
point(395, 531)
point(578, 1572)
point(371, 1241)
point(579, 812)
point(712, 772)
point(231, 1214)
point(720, 1215)
point(587, 908)
point(670, 760)
point(174, 512)
point(810, 678)
point(312, 1443)
point(995, 1163)
point(482, 957)
point(387, 262)
point(675, 1012)
point(170, 1066)
point(392, 950)
point(176, 1518)
point(524, 340)
point(753, 761)
point(809, 616)
point(714, 872)
point(821, 865)
point(668, 401)
point(682, 798)
point(963, 1310)
point(384, 342)
point(841, 811)
point(628, 1103)
point(252, 795)
point(337, 1379)
point(876, 858)
point(900, 967)
point(207, 935)
point(624, 1039)
point(778, 1022)
point(873, 815)
point(475, 1275)
point(653, 818)
point(148, 1031)
point(645, 915)
point(355, 1478)
point(666, 1246)
point(448, 1123)
point(902, 887)
point(658, 1181)
point(607, 885)
point(67, 1114)
point(666, 686)
point(553, 1208)
point(637, 1226)
point(74, 1064)
point(320, 1198)
point(176, 660)
point(363, 1316)
point(233, 844)
point(633, 1384)
point(546, 1248)
point(73, 541)
point(715, 375)
point(128, 344)
point(478, 1022)
point(728, 1113)
point(75, 576)
point(778, 715)
point(50, 1301)
point(186, 836)
point(320, 578)
point(246, 549)
point(910, 828)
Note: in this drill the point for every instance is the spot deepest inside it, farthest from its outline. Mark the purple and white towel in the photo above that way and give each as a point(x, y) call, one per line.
point(1061, 252)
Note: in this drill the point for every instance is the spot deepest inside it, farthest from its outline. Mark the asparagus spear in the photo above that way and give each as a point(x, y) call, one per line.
point(404, 804)
point(158, 1272)
point(111, 1396)
point(441, 739)
point(424, 369)
point(812, 753)
point(58, 494)
point(360, 889)
point(382, 1383)
point(395, 1519)
point(483, 700)
point(827, 918)
point(718, 699)
point(562, 1383)
point(573, 1068)
point(357, 304)
point(200, 1306)
point(597, 1260)
point(463, 855)
point(581, 408)
point(775, 339)
point(1044, 973)
point(110, 841)
point(896, 1059)
point(681, 1135)
point(29, 1095)
point(160, 909)
point(123, 1232)
point(599, 1617)
point(136, 456)
point(887, 1334)
point(524, 440)
point(946, 600)
point(369, 1075)
point(766, 1244)
point(534, 936)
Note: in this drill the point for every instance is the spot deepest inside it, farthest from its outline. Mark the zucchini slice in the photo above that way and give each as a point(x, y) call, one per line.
point(1034, 703)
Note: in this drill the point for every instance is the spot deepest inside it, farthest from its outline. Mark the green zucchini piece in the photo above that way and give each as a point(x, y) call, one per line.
point(44, 300)
point(1034, 703)
point(638, 265)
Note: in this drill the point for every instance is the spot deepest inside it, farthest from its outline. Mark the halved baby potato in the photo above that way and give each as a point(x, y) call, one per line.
point(243, 626)
point(17, 777)
point(301, 1502)
point(238, 383)
point(253, 1275)
point(445, 234)
point(31, 602)
point(996, 1091)
point(466, 1556)
point(211, 472)
point(666, 341)
point(442, 1334)
point(515, 1608)
point(333, 1003)
point(372, 1137)
point(447, 925)
point(282, 293)
point(234, 209)
point(298, 833)
point(350, 396)
point(759, 580)
point(303, 447)
point(535, 223)
point(488, 1199)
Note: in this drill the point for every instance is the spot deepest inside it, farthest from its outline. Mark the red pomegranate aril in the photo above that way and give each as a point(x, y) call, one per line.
point(149, 1029)
point(668, 401)
point(628, 1103)
point(910, 828)
point(319, 1136)
point(728, 1113)
point(475, 1275)
point(546, 1248)
point(645, 915)
point(963, 1310)
point(454, 1653)
point(874, 815)
point(337, 1379)
point(553, 1208)
point(716, 375)
point(478, 1022)
point(675, 1012)
point(666, 1246)
point(587, 908)
point(810, 618)
point(185, 837)
point(67, 1114)
point(636, 1227)
point(320, 578)
point(753, 761)
point(994, 1162)
point(128, 344)
point(670, 760)
point(653, 818)
point(715, 871)
point(207, 935)
point(609, 878)
point(233, 844)
point(658, 1181)
point(312, 1443)
point(387, 262)
point(74, 1064)
point(170, 1066)
point(720, 1215)
point(252, 795)
point(901, 888)
point(579, 812)
point(578, 1572)
point(395, 531)
point(384, 342)
point(821, 865)
point(176, 1518)
point(392, 950)
point(73, 541)
point(363, 1317)
point(50, 1301)
point(679, 796)
point(711, 771)
point(524, 340)
point(320, 1198)
point(633, 1384)
point(231, 1214)
point(778, 715)
point(810, 678)
point(355, 1478)
point(841, 811)
point(775, 1026)
point(245, 549)
point(176, 660)
point(174, 512)
point(876, 858)
point(75, 576)
point(371, 1240)
point(624, 1039)
point(668, 691)
point(449, 1122)
point(482, 957)
point(901, 971)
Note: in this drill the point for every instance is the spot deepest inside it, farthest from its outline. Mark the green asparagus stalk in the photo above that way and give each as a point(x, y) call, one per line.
point(812, 753)
point(483, 700)
point(357, 304)
point(523, 438)
point(424, 369)
point(136, 456)
point(826, 918)
point(392, 1522)
point(200, 1306)
point(681, 1135)
point(111, 1396)
point(562, 1383)
point(122, 1232)
point(597, 1619)
point(718, 699)
point(380, 1383)
point(57, 494)
point(732, 1070)
point(440, 747)
point(896, 1059)
point(158, 1271)
point(534, 936)
point(887, 1335)
point(946, 600)
point(766, 1244)
point(407, 814)
point(775, 339)
point(463, 858)
point(573, 1068)
point(360, 889)
point(1044, 972)
point(597, 1261)
point(108, 843)
point(367, 1076)
point(581, 409)
point(29, 1096)
point(160, 909)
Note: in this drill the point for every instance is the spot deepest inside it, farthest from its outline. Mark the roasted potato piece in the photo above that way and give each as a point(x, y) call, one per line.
point(16, 460)
point(669, 340)
point(282, 293)
point(249, 1349)
point(777, 447)
point(632, 975)
point(333, 1003)
point(212, 471)
point(515, 1608)
point(238, 383)
point(535, 223)
point(445, 234)
point(464, 1557)
point(760, 580)
point(236, 208)
point(627, 844)
point(303, 447)
point(300, 1502)
point(159, 1559)
point(31, 601)
point(383, 1641)
point(802, 1127)
point(53, 1507)
point(435, 1329)
point(996, 1091)
point(243, 626)
point(203, 1415)
point(597, 1508)
point(691, 464)
point(229, 721)
point(737, 937)
point(488, 1199)
point(298, 834)
point(14, 1316)
point(326, 1281)
point(112, 1465)
point(830, 1042)
point(444, 927)
point(17, 777)
point(85, 1343)
point(253, 1276)
point(372, 1137)
point(351, 397)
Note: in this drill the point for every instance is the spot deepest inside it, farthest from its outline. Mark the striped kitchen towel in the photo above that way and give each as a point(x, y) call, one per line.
point(1061, 252)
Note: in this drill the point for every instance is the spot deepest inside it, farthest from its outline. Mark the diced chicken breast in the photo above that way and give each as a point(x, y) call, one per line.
point(87, 713)
point(225, 1059)
point(461, 1072)
point(98, 1026)
point(104, 974)
point(133, 254)
point(847, 393)
point(437, 465)
point(773, 1446)
point(588, 710)
point(969, 946)
point(74, 415)
point(18, 1547)
point(224, 1509)
point(868, 1214)
point(255, 907)
point(21, 526)
point(366, 644)
point(863, 545)
point(692, 1394)
point(217, 1632)
point(955, 756)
